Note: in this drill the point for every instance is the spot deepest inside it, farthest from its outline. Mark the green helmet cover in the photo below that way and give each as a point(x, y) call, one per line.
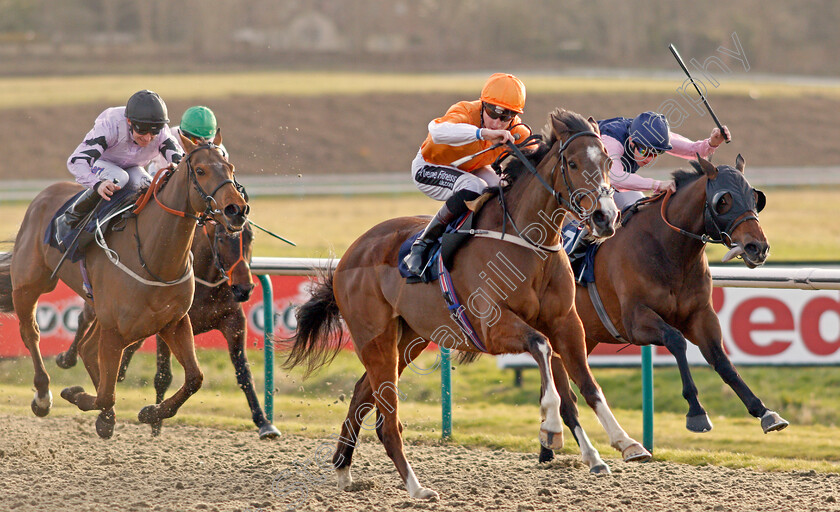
point(199, 121)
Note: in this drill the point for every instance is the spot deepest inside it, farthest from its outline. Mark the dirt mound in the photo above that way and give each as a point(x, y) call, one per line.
point(58, 463)
point(277, 136)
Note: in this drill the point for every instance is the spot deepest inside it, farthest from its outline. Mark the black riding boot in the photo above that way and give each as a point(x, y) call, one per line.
point(70, 219)
point(417, 256)
point(578, 249)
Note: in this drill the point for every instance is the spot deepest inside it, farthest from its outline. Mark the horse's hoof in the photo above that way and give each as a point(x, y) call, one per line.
point(771, 421)
point(105, 424)
point(65, 360)
point(425, 494)
point(700, 423)
point(636, 453)
point(269, 431)
point(600, 469)
point(148, 414)
point(156, 426)
point(546, 455)
point(551, 440)
point(70, 394)
point(344, 478)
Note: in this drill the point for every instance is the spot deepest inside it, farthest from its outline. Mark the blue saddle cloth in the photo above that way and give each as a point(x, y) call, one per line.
point(448, 243)
point(583, 268)
point(103, 210)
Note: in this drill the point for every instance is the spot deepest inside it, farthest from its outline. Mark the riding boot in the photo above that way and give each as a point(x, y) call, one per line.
point(69, 220)
point(576, 248)
point(416, 258)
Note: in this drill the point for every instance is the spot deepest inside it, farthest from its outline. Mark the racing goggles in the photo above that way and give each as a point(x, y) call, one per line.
point(144, 128)
point(500, 113)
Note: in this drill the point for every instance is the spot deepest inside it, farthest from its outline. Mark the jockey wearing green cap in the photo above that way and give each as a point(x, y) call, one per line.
point(197, 124)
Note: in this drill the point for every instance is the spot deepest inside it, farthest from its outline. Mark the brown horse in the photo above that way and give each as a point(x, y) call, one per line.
point(391, 322)
point(223, 282)
point(146, 289)
point(654, 281)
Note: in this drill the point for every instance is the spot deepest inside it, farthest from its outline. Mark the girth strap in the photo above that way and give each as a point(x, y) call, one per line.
point(602, 312)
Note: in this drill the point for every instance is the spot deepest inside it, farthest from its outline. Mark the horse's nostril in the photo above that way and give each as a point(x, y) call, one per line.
point(233, 210)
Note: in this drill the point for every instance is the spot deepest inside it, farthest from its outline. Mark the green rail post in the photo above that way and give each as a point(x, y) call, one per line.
point(445, 393)
point(647, 398)
point(268, 344)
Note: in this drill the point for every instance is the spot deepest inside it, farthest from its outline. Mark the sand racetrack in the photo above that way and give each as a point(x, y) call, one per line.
point(58, 463)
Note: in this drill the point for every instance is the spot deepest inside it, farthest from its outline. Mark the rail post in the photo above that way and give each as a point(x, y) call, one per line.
point(268, 344)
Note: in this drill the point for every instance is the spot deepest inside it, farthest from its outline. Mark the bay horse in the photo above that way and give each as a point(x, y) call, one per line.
point(391, 322)
point(146, 289)
point(221, 264)
point(655, 285)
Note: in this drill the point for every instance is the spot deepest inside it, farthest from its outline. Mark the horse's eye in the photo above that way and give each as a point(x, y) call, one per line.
point(572, 165)
point(722, 204)
point(199, 171)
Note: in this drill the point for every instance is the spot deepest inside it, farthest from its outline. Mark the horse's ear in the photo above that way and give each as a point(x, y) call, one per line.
point(707, 167)
point(217, 140)
point(558, 126)
point(594, 124)
point(740, 163)
point(186, 143)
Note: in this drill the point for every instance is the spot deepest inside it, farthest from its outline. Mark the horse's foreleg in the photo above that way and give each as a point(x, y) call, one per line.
point(646, 327)
point(233, 328)
point(179, 337)
point(67, 359)
point(571, 347)
point(569, 412)
point(163, 377)
point(25, 300)
point(128, 353)
point(705, 333)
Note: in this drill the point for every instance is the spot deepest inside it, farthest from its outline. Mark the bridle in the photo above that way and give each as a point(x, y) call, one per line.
point(573, 203)
point(745, 207)
point(227, 275)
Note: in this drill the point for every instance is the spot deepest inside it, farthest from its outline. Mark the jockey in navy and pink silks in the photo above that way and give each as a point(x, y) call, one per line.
point(635, 143)
point(113, 153)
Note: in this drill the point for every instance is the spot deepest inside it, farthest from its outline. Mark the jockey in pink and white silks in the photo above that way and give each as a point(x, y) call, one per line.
point(113, 153)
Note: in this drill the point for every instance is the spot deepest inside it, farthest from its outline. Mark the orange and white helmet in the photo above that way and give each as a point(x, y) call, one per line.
point(504, 90)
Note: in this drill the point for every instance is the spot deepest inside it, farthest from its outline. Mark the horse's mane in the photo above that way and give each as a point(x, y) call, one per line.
point(683, 177)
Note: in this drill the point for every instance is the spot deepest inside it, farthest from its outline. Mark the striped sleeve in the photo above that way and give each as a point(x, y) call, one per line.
point(170, 149)
point(92, 147)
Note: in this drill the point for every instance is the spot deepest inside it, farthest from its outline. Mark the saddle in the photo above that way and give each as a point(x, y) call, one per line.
point(102, 216)
point(446, 246)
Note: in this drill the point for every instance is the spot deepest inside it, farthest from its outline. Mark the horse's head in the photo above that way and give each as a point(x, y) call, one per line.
point(214, 190)
point(232, 256)
point(579, 171)
point(731, 212)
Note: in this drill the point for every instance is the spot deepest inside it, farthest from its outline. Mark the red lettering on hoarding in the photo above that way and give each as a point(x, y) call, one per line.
point(811, 314)
point(743, 327)
point(717, 299)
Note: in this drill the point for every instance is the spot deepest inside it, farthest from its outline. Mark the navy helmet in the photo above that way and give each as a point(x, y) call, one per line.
point(650, 130)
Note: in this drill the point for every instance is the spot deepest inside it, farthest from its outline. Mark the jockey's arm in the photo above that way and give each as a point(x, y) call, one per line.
point(452, 134)
point(688, 149)
point(621, 179)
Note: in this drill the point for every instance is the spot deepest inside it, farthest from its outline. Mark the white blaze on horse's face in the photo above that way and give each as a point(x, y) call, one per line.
point(602, 221)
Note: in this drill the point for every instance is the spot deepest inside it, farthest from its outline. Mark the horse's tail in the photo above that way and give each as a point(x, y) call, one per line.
point(6, 305)
point(319, 336)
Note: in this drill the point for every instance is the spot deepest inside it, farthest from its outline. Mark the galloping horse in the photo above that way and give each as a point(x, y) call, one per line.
point(654, 282)
point(391, 322)
point(223, 282)
point(146, 289)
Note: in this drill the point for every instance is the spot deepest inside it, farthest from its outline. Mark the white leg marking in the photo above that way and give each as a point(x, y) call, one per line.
point(550, 403)
point(344, 478)
point(588, 452)
point(618, 437)
point(44, 402)
point(415, 490)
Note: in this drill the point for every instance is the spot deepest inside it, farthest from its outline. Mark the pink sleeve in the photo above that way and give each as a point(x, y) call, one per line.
point(618, 177)
point(685, 148)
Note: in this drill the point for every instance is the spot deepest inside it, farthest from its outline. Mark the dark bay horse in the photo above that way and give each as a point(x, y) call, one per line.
point(391, 322)
point(147, 290)
point(223, 282)
point(654, 281)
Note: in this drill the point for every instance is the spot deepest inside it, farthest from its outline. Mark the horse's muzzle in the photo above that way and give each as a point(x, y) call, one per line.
point(236, 216)
point(242, 292)
point(755, 253)
point(602, 223)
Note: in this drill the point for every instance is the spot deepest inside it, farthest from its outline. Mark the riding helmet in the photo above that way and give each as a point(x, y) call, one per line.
point(146, 107)
point(199, 122)
point(504, 90)
point(651, 130)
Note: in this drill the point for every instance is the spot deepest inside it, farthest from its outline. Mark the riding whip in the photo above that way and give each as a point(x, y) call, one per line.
point(702, 97)
point(270, 233)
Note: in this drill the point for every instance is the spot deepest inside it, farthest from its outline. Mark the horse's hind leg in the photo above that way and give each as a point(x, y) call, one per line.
point(705, 332)
point(25, 299)
point(233, 328)
point(128, 353)
point(381, 356)
point(163, 377)
point(572, 351)
point(179, 337)
point(569, 412)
